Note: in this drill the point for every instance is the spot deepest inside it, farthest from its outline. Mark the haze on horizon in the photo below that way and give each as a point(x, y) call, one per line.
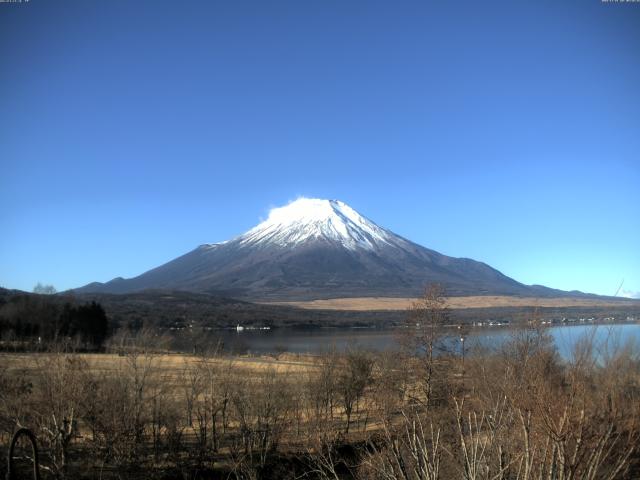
point(131, 132)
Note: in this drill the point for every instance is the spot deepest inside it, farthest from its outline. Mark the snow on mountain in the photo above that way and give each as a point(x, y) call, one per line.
point(316, 219)
point(313, 248)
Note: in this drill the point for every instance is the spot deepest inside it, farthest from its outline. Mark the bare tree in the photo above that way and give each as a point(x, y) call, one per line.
point(44, 289)
point(354, 376)
point(410, 451)
point(208, 394)
point(262, 409)
point(58, 406)
point(320, 385)
point(424, 333)
point(390, 385)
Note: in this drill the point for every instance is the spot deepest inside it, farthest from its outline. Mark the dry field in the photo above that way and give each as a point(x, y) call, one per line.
point(167, 365)
point(389, 303)
point(331, 417)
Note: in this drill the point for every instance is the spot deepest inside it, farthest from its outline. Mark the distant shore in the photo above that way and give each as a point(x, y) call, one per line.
point(492, 301)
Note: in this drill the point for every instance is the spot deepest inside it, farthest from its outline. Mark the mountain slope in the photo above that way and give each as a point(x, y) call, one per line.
point(316, 248)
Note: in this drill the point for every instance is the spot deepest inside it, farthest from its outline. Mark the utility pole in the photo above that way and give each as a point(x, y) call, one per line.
point(462, 337)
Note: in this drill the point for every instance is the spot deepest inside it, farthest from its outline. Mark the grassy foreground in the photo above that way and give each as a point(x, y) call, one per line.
point(519, 413)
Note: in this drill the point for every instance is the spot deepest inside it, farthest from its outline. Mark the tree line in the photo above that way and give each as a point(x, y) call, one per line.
point(41, 319)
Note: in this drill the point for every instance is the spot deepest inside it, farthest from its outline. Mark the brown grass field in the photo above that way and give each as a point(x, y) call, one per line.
point(389, 303)
point(147, 413)
point(168, 365)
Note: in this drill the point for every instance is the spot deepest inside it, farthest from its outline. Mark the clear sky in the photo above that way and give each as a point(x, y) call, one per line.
point(133, 131)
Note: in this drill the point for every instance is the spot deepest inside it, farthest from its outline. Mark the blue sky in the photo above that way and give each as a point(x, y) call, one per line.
point(508, 132)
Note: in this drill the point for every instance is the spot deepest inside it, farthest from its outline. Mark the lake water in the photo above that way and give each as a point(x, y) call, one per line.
point(318, 340)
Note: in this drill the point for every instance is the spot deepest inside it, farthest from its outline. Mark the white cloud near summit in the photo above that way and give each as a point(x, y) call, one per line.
point(629, 294)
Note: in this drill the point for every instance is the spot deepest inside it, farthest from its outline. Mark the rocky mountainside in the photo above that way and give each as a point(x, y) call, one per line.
point(315, 248)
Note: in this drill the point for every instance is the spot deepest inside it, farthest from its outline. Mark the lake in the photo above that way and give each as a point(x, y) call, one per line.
point(340, 339)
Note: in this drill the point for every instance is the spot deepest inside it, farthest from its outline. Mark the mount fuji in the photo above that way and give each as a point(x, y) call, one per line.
point(314, 249)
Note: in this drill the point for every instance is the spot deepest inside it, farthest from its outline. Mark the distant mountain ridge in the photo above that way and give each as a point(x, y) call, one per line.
point(314, 248)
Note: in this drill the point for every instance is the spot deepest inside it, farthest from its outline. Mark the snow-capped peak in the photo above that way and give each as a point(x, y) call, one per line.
point(313, 218)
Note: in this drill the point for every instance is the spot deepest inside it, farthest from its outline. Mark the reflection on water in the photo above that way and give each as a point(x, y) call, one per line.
point(318, 340)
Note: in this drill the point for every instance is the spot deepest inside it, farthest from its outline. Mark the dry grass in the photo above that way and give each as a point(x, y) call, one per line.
point(143, 413)
point(167, 364)
point(388, 303)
